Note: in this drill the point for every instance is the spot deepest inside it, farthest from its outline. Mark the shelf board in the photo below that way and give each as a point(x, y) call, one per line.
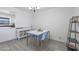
point(74, 31)
point(73, 40)
point(74, 21)
point(7, 25)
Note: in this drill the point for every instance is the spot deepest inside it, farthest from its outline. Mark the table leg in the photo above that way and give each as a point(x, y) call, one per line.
point(27, 39)
point(49, 35)
point(37, 41)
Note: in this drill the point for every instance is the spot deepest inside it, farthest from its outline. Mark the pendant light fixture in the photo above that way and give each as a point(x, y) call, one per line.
point(34, 8)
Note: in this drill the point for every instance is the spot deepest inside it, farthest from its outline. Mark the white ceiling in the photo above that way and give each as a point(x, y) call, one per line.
point(26, 8)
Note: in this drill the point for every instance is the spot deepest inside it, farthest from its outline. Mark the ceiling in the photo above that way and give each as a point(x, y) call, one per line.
point(26, 8)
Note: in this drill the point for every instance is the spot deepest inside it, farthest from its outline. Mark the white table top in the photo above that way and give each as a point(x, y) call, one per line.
point(35, 32)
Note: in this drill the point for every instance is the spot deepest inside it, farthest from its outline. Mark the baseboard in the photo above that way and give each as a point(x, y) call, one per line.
point(7, 40)
point(58, 41)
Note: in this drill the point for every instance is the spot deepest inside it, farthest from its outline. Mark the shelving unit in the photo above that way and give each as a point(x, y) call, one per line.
point(72, 42)
point(21, 32)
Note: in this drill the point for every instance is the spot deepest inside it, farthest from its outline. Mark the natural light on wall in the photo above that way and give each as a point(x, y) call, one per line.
point(4, 11)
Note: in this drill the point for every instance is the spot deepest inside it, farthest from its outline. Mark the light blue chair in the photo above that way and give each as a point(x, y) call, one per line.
point(43, 38)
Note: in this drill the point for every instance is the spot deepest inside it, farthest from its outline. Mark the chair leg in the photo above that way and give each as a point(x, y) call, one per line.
point(37, 43)
point(42, 43)
point(46, 42)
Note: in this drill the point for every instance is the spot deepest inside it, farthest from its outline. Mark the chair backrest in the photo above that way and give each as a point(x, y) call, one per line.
point(44, 36)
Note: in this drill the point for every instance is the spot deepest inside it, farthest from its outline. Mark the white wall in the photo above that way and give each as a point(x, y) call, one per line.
point(56, 20)
point(76, 11)
point(22, 19)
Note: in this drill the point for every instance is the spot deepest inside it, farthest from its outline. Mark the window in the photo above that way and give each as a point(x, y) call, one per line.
point(4, 21)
